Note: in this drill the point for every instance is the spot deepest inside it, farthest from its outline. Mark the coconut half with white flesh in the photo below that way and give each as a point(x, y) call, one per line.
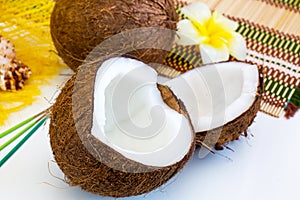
point(112, 132)
point(222, 100)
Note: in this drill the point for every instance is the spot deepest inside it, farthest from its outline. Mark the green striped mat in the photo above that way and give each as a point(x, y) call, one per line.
point(288, 4)
point(277, 54)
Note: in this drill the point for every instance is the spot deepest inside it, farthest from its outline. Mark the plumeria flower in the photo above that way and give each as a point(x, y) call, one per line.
point(214, 33)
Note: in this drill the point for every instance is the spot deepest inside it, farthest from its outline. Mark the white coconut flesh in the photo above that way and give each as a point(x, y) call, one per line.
point(216, 94)
point(131, 117)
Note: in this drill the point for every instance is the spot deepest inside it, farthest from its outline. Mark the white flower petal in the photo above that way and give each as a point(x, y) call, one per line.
point(187, 34)
point(226, 23)
point(211, 54)
point(237, 47)
point(197, 11)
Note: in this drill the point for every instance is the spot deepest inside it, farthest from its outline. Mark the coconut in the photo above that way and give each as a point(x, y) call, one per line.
point(222, 100)
point(112, 132)
point(79, 26)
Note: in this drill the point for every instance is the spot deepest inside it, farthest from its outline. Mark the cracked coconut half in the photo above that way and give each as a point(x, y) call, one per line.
point(13, 73)
point(222, 100)
point(113, 133)
point(116, 132)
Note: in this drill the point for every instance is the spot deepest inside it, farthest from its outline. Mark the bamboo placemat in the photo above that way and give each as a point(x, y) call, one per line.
point(260, 12)
point(271, 32)
point(293, 5)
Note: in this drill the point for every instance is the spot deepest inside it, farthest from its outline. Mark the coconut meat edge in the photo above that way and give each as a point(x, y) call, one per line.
point(216, 94)
point(131, 117)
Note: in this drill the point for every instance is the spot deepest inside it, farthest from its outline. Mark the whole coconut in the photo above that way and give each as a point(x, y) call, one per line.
point(77, 27)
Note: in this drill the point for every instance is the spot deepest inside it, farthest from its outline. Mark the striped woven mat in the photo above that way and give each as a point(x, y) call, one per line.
point(276, 53)
point(293, 5)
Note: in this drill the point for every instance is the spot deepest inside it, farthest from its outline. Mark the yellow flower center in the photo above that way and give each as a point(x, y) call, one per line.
point(212, 32)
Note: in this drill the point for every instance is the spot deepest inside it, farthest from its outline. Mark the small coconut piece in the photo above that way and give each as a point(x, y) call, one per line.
point(112, 132)
point(222, 100)
point(77, 27)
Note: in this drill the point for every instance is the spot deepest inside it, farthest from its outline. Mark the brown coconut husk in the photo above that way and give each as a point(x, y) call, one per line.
point(79, 26)
point(79, 154)
point(234, 129)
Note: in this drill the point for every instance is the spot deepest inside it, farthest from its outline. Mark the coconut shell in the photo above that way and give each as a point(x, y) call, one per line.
point(81, 156)
point(232, 130)
point(78, 26)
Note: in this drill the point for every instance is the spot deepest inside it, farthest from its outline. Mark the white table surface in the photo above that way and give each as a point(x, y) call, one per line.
point(266, 166)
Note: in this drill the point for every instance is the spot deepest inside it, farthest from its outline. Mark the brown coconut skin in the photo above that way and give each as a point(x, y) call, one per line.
point(233, 129)
point(82, 168)
point(80, 25)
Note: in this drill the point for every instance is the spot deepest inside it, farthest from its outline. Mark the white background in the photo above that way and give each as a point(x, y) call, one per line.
point(266, 166)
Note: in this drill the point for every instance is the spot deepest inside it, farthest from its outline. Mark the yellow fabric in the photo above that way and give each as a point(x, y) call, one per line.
point(26, 24)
